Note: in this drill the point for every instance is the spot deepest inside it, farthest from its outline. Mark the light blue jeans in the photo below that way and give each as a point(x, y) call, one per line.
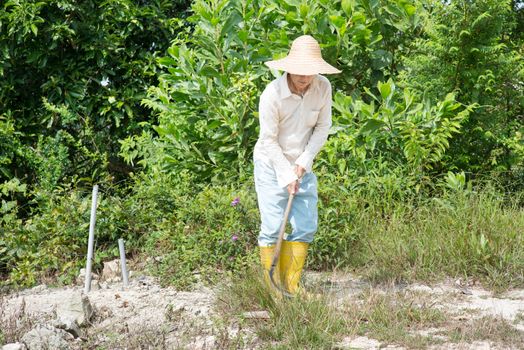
point(272, 202)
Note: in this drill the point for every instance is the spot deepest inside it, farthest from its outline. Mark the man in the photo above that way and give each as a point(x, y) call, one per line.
point(295, 117)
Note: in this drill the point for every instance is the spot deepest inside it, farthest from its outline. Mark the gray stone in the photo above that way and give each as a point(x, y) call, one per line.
point(44, 337)
point(203, 342)
point(358, 343)
point(111, 270)
point(38, 289)
point(80, 279)
point(14, 346)
point(75, 308)
point(68, 325)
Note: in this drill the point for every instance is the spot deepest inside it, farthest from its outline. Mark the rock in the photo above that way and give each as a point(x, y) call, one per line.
point(113, 280)
point(44, 337)
point(14, 346)
point(95, 285)
point(75, 308)
point(204, 342)
point(80, 279)
point(40, 288)
point(111, 270)
point(358, 343)
point(68, 325)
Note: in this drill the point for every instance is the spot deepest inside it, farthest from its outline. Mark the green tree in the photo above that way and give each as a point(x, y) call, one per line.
point(206, 100)
point(72, 75)
point(472, 48)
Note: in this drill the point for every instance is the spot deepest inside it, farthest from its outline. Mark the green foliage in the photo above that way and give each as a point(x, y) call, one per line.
point(207, 234)
point(189, 234)
point(53, 241)
point(207, 98)
point(462, 233)
point(72, 75)
point(468, 49)
point(467, 230)
point(159, 216)
point(430, 93)
point(294, 323)
point(392, 144)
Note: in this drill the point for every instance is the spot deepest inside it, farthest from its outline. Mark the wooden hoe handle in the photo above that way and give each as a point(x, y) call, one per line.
point(278, 246)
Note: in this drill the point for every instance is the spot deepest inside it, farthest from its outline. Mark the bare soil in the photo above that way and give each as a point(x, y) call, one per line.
point(145, 315)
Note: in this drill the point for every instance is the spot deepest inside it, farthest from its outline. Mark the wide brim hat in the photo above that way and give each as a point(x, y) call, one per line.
point(304, 58)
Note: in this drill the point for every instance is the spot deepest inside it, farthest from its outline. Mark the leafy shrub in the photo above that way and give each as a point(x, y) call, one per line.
point(72, 75)
point(206, 99)
point(390, 147)
point(211, 232)
point(189, 234)
point(466, 49)
point(156, 215)
point(53, 241)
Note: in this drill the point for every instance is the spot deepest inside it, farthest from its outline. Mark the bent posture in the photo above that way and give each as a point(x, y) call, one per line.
point(295, 117)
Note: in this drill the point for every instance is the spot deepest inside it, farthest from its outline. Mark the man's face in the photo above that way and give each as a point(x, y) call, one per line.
point(301, 82)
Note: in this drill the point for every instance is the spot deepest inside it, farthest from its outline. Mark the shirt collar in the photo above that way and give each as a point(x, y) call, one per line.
point(285, 92)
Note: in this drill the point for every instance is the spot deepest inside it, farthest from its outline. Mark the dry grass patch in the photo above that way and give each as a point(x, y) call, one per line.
point(321, 320)
point(495, 329)
point(395, 317)
point(15, 324)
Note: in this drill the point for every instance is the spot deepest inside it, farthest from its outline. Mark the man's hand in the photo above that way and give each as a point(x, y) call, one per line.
point(292, 188)
point(299, 171)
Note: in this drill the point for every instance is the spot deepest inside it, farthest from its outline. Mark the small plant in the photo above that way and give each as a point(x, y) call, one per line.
point(491, 328)
point(393, 316)
point(293, 324)
point(208, 234)
point(15, 324)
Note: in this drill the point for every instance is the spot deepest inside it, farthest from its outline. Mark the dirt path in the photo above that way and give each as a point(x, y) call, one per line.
point(166, 318)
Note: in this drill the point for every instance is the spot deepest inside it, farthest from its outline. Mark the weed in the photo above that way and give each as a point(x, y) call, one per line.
point(495, 329)
point(13, 323)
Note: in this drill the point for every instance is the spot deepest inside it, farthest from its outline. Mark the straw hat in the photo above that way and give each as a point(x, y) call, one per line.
point(304, 58)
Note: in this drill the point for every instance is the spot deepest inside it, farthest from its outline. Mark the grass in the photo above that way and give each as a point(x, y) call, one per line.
point(15, 324)
point(495, 329)
point(322, 320)
point(317, 321)
point(519, 318)
point(395, 316)
point(471, 235)
point(294, 323)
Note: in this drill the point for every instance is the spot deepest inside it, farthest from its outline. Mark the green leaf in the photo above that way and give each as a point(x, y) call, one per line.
point(341, 166)
point(371, 125)
point(347, 7)
point(381, 58)
point(385, 89)
point(338, 21)
point(229, 26)
point(304, 10)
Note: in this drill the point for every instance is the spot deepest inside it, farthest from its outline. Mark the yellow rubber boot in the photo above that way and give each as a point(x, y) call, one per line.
point(266, 257)
point(292, 258)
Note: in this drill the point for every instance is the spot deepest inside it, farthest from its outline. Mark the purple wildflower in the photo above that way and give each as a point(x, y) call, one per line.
point(234, 238)
point(235, 202)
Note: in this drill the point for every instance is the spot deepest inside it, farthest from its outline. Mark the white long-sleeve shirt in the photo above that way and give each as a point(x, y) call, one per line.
point(293, 129)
